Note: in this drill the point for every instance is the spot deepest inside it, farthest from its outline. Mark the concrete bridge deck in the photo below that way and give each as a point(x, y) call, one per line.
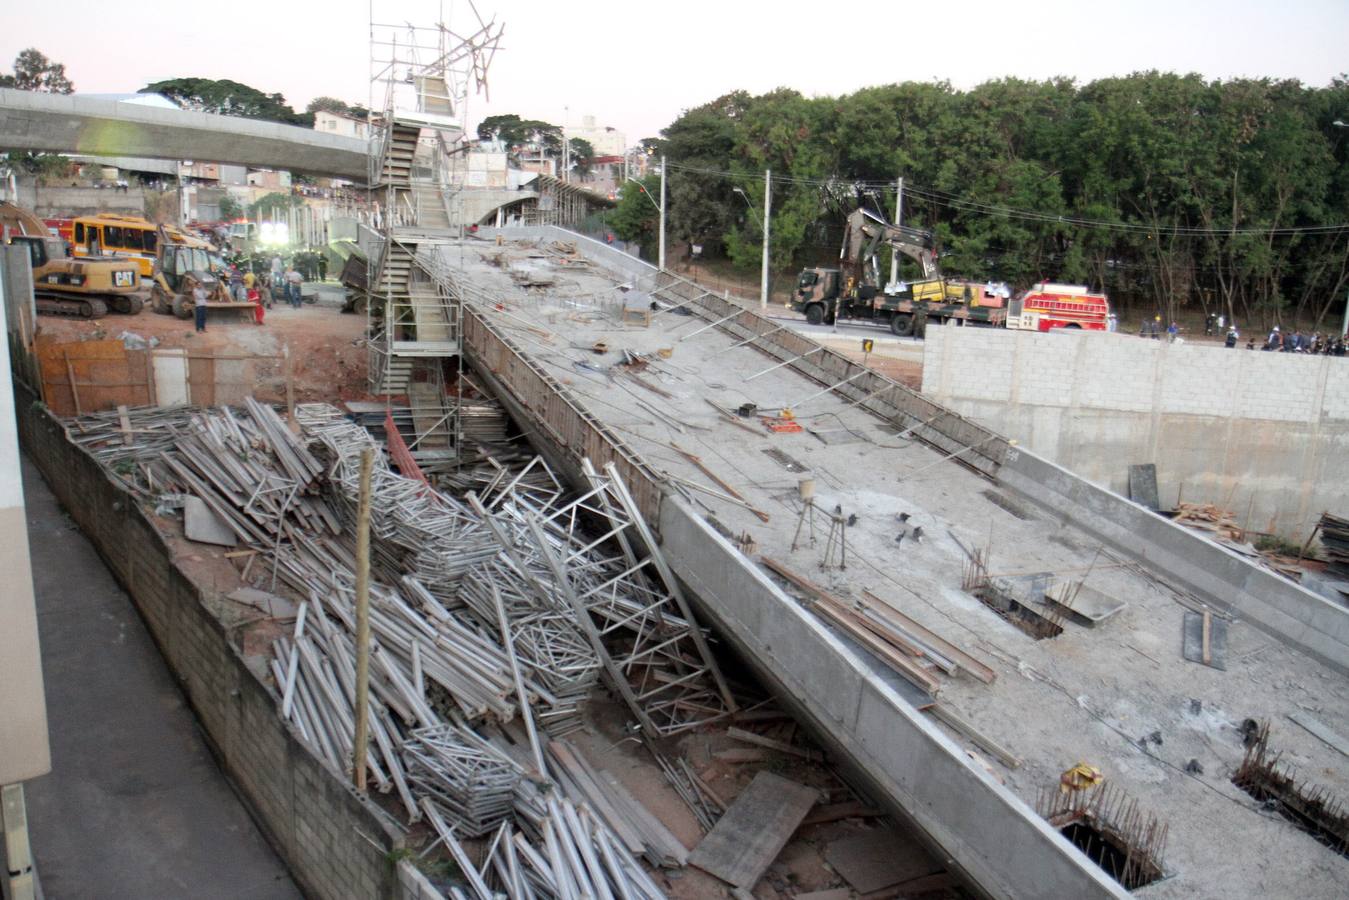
point(70, 123)
point(1087, 695)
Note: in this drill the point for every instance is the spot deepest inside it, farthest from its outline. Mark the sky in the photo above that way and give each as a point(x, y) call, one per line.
point(637, 66)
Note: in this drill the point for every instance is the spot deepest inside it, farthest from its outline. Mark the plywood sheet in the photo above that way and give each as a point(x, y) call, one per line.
point(751, 834)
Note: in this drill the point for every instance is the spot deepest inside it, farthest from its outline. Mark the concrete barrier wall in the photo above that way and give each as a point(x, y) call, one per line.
point(61, 202)
point(334, 844)
point(1262, 434)
point(1217, 576)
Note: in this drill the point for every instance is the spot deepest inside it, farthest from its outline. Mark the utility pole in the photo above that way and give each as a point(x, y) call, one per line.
point(662, 213)
point(362, 736)
point(1344, 329)
point(899, 214)
point(767, 218)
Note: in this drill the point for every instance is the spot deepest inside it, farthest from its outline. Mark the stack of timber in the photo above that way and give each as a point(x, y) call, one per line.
point(1335, 542)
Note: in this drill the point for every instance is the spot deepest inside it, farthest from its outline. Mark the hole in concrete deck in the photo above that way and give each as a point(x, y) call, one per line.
point(1310, 807)
point(1103, 847)
point(1019, 614)
point(1009, 505)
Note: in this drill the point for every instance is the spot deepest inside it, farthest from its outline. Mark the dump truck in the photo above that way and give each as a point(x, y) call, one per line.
point(853, 290)
point(64, 286)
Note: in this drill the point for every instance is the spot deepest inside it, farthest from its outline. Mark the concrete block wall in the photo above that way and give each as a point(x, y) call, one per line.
point(335, 844)
point(1261, 434)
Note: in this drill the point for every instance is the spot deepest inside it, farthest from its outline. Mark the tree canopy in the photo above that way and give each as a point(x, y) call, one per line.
point(227, 98)
point(1165, 190)
point(334, 105)
point(35, 72)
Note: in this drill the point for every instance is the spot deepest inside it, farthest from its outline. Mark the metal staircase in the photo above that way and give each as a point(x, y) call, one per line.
point(414, 320)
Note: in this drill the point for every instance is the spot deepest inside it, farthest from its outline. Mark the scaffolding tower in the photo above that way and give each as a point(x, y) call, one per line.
point(420, 81)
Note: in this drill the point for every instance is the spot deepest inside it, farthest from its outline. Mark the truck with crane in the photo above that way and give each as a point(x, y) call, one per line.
point(853, 290)
point(87, 287)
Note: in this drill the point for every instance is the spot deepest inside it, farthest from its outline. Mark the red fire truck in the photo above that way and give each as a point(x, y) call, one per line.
point(1048, 305)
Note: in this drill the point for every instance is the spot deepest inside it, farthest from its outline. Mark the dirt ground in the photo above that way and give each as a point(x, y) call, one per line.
point(327, 346)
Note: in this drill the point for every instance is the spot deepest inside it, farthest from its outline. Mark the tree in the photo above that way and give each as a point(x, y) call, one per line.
point(334, 105)
point(35, 72)
point(582, 155)
point(230, 208)
point(227, 98)
point(637, 217)
point(272, 205)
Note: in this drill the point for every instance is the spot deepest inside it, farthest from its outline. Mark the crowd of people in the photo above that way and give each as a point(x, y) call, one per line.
point(1297, 342)
point(1276, 340)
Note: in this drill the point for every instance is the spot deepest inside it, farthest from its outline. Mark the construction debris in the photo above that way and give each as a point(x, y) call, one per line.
point(1335, 542)
point(754, 830)
point(1313, 808)
point(460, 594)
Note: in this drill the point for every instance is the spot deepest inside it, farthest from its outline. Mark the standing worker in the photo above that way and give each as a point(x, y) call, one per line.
point(293, 281)
point(199, 306)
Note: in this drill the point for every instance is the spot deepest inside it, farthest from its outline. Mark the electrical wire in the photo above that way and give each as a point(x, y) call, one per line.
point(961, 204)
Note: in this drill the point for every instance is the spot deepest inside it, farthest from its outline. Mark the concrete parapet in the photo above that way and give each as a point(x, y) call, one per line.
point(1213, 573)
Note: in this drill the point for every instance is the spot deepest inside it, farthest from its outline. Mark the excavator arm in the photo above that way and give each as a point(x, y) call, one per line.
point(866, 233)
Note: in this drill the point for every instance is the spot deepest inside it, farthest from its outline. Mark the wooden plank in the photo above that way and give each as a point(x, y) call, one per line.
point(1206, 639)
point(124, 418)
point(697, 461)
point(837, 611)
point(74, 391)
point(751, 834)
point(936, 641)
point(750, 737)
point(978, 738)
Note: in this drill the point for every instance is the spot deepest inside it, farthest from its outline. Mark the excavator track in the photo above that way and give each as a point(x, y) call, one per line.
point(51, 304)
point(126, 304)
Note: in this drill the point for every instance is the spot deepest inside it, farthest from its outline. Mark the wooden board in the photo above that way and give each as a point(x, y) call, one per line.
point(754, 830)
point(879, 859)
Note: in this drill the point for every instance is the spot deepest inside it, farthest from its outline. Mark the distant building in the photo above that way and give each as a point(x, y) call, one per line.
point(606, 141)
point(340, 123)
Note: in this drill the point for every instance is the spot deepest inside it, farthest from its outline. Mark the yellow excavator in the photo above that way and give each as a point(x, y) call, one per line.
point(70, 287)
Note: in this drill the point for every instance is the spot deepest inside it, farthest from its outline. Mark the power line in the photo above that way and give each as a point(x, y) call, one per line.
point(960, 204)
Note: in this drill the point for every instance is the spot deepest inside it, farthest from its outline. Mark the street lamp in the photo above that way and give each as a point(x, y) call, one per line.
point(660, 207)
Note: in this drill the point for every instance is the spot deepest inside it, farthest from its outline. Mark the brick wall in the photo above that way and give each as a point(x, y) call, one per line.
point(1260, 433)
point(335, 844)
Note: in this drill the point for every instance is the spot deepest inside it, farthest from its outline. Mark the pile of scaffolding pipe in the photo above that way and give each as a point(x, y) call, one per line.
point(471, 782)
point(547, 643)
point(264, 484)
point(559, 851)
point(432, 536)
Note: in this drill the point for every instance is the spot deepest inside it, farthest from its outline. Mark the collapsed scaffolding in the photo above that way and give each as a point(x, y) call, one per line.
point(508, 607)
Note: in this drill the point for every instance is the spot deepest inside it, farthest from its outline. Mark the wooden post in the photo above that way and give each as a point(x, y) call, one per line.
point(74, 391)
point(150, 398)
point(290, 390)
point(362, 619)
